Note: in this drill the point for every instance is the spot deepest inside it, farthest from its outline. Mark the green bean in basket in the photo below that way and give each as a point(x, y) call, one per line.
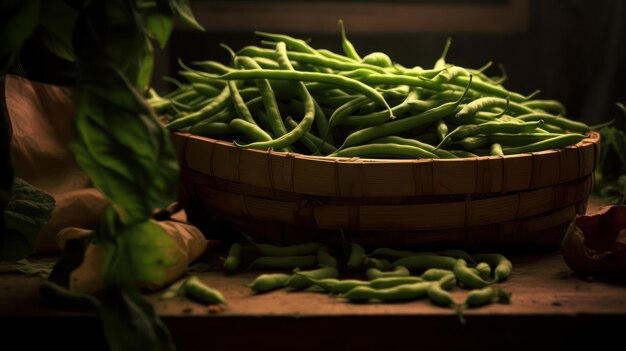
point(280, 96)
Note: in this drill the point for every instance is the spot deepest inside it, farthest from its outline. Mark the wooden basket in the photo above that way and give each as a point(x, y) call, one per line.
point(286, 198)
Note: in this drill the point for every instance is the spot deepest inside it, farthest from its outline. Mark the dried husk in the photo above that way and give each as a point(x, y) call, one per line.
point(596, 243)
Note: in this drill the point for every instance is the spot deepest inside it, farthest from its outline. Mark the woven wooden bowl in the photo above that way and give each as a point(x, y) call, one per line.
point(286, 198)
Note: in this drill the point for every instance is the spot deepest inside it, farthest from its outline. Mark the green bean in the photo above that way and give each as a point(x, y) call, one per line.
point(346, 45)
point(205, 89)
point(480, 297)
point(379, 59)
point(197, 290)
point(558, 142)
point(550, 106)
point(313, 59)
point(462, 153)
point(250, 130)
point(424, 262)
point(234, 257)
point(412, 142)
point(381, 264)
point(449, 73)
point(289, 138)
point(324, 258)
point(490, 102)
point(437, 291)
point(211, 66)
point(401, 125)
point(357, 253)
point(471, 143)
point(399, 271)
point(484, 270)
point(198, 77)
point(441, 62)
point(489, 89)
point(503, 266)
point(378, 117)
point(521, 139)
point(434, 274)
point(293, 250)
point(268, 96)
point(398, 293)
point(457, 254)
point(312, 142)
point(294, 43)
point(382, 79)
point(471, 130)
point(217, 104)
point(212, 129)
point(442, 130)
point(390, 282)
point(496, 150)
point(321, 124)
point(338, 286)
point(299, 279)
point(333, 55)
point(239, 104)
point(549, 128)
point(267, 282)
point(561, 122)
point(310, 77)
point(467, 277)
point(384, 151)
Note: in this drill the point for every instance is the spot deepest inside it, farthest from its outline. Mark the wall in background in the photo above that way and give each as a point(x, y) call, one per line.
point(572, 50)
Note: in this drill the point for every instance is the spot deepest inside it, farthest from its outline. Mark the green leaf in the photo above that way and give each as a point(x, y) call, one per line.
point(57, 23)
point(182, 12)
point(27, 211)
point(21, 23)
point(146, 67)
point(140, 253)
point(122, 145)
point(130, 322)
point(159, 26)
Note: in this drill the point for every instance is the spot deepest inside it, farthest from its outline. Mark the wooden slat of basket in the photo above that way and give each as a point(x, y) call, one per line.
point(455, 176)
point(398, 217)
point(517, 172)
point(408, 217)
point(489, 177)
point(569, 165)
point(547, 229)
point(362, 177)
point(546, 168)
point(588, 157)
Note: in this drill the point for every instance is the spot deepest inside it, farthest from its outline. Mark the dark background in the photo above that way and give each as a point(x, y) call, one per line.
point(574, 51)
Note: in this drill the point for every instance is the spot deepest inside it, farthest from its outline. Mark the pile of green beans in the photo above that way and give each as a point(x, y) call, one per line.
point(289, 96)
point(392, 275)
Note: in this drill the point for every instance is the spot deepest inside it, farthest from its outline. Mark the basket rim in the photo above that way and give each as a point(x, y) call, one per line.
point(593, 138)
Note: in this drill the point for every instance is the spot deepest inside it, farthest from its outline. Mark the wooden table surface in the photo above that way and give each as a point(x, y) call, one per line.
point(548, 304)
point(550, 308)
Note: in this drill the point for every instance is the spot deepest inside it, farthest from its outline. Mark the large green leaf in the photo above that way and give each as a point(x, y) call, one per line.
point(27, 211)
point(140, 253)
point(18, 21)
point(122, 145)
point(158, 24)
point(130, 322)
point(182, 11)
point(57, 22)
